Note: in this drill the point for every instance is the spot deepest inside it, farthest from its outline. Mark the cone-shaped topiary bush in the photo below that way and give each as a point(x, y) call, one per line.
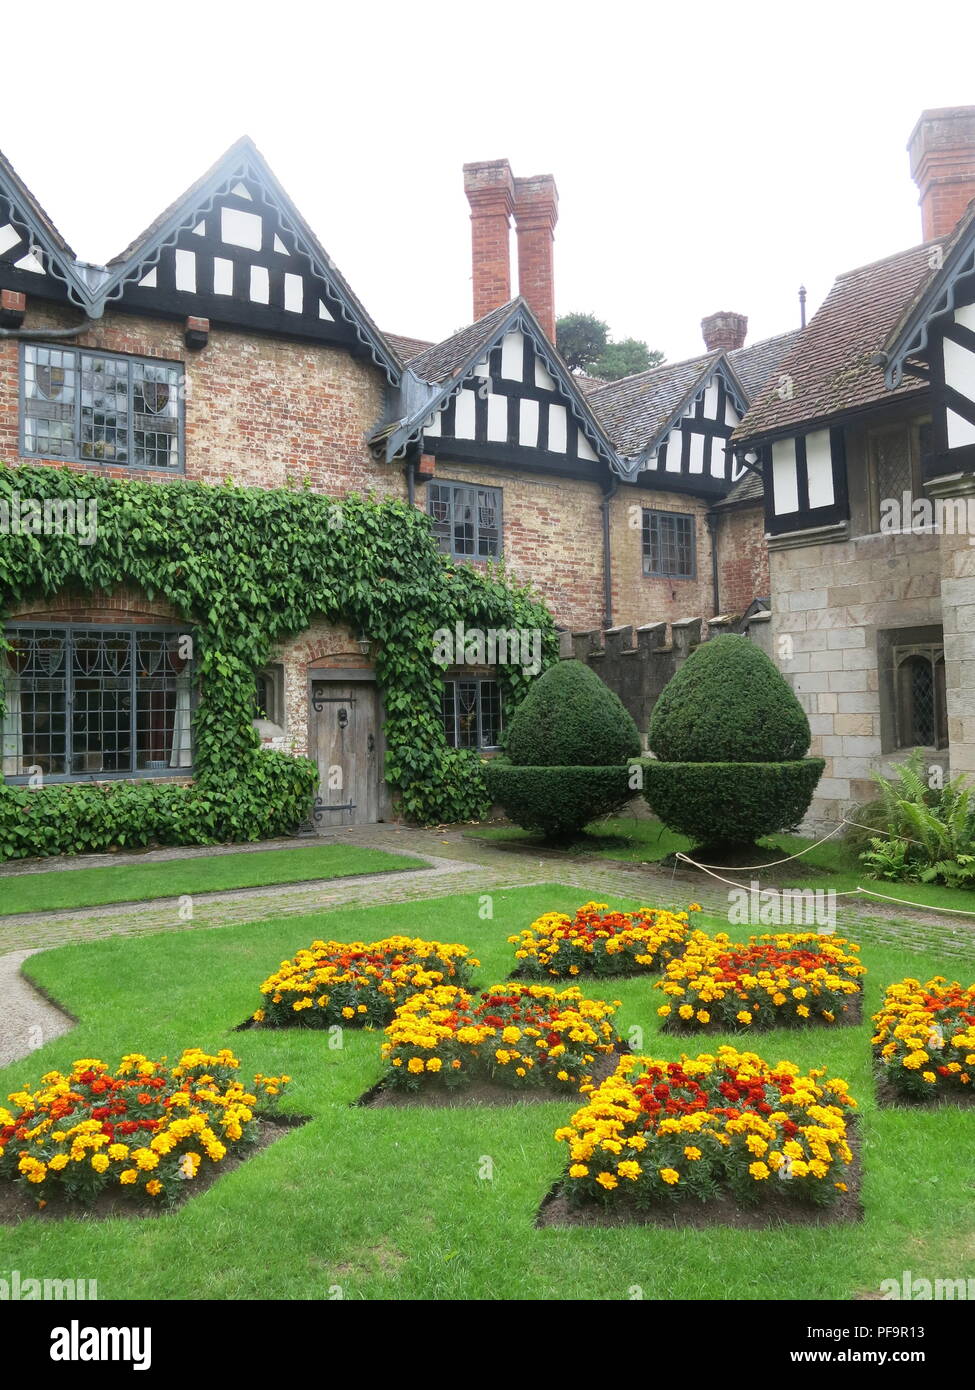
point(728, 736)
point(728, 704)
point(571, 718)
point(569, 754)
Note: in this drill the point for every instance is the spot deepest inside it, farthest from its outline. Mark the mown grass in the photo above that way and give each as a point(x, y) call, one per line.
point(389, 1204)
point(118, 883)
point(833, 864)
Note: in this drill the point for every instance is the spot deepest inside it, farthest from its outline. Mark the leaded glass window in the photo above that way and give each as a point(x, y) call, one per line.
point(466, 520)
point(95, 701)
point(98, 408)
point(472, 713)
point(668, 544)
point(922, 709)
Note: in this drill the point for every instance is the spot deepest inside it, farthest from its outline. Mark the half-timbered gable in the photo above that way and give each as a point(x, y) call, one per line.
point(497, 393)
point(34, 257)
point(671, 425)
point(934, 343)
point(235, 250)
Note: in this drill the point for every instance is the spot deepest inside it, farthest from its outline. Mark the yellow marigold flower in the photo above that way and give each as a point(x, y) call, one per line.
point(743, 1016)
point(128, 1176)
point(703, 1016)
point(434, 1064)
point(670, 1176)
point(154, 1187)
point(607, 1180)
point(578, 1170)
point(629, 1169)
point(100, 1162)
point(759, 1171)
point(60, 1161)
point(415, 1065)
point(692, 1153)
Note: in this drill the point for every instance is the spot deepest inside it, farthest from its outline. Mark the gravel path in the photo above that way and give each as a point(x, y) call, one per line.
point(457, 864)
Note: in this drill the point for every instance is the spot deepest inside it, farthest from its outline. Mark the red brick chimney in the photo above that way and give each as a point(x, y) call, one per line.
point(491, 193)
point(536, 213)
point(942, 152)
point(724, 330)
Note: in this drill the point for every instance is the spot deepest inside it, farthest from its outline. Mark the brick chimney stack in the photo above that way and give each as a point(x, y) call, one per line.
point(490, 191)
point(942, 153)
point(724, 330)
point(536, 213)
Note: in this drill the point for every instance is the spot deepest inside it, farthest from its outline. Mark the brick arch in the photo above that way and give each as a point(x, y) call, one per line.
point(120, 605)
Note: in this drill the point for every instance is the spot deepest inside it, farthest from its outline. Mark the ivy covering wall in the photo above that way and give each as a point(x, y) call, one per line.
point(246, 568)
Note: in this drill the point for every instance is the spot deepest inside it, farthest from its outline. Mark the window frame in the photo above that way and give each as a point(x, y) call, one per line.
point(934, 654)
point(691, 519)
point(11, 629)
point(479, 681)
point(454, 485)
point(912, 426)
point(131, 359)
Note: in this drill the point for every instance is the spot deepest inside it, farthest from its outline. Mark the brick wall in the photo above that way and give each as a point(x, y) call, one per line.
point(552, 536)
point(258, 409)
point(640, 598)
point(743, 571)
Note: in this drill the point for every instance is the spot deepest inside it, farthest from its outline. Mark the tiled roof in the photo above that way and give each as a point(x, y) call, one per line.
point(635, 409)
point(755, 364)
point(442, 360)
point(407, 348)
point(747, 489)
point(830, 363)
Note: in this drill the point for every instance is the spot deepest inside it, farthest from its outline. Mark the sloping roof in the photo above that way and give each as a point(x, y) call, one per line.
point(23, 195)
point(442, 360)
point(635, 409)
point(407, 348)
point(749, 488)
point(755, 364)
point(830, 364)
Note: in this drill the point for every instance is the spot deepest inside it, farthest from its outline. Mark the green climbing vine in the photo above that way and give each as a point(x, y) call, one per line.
point(246, 568)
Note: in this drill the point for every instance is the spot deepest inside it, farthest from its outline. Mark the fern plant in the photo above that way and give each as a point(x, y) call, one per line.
point(929, 831)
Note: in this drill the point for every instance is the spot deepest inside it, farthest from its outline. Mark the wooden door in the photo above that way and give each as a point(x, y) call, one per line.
point(346, 742)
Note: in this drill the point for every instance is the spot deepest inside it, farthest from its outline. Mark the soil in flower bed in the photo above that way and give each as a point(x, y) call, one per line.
point(18, 1203)
point(775, 1209)
point(439, 1096)
point(890, 1098)
point(853, 1014)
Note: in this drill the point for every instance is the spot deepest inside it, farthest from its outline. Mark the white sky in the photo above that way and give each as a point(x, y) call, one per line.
point(708, 156)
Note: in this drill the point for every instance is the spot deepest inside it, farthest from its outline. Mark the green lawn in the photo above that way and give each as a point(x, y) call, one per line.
point(387, 1204)
point(135, 882)
point(640, 840)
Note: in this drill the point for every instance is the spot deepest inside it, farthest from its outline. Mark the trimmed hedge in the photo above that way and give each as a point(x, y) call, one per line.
point(91, 817)
point(571, 718)
point(558, 801)
point(727, 802)
point(728, 703)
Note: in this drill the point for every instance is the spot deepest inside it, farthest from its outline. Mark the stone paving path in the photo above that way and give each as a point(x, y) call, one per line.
point(458, 864)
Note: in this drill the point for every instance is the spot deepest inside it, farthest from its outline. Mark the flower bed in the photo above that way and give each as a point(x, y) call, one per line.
point(357, 984)
point(597, 941)
point(773, 981)
point(147, 1129)
point(709, 1127)
point(925, 1040)
point(523, 1037)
